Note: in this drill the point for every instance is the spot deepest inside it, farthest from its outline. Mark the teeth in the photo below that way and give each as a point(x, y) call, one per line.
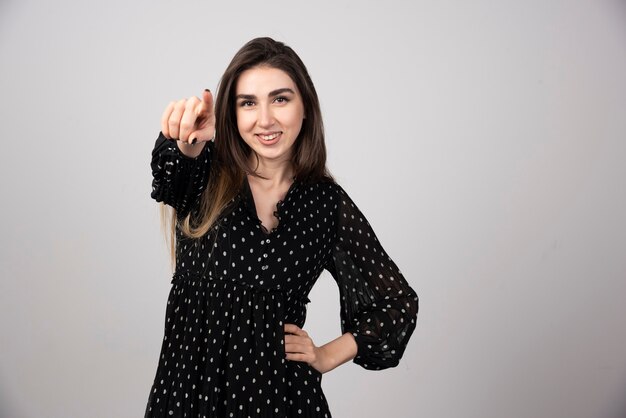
point(269, 137)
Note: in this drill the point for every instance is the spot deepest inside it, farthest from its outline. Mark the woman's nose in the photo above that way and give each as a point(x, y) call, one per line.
point(265, 116)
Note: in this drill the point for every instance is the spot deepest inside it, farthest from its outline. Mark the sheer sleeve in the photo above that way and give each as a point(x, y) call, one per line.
point(178, 180)
point(378, 307)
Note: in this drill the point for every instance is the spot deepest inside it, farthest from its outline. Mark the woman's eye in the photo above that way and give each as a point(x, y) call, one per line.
point(281, 99)
point(246, 103)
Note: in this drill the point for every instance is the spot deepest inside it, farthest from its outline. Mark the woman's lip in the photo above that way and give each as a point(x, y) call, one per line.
point(270, 142)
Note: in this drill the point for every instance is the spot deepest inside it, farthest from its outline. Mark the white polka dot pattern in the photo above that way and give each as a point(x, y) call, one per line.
point(234, 289)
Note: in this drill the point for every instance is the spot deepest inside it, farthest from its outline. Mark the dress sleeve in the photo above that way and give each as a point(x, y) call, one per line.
point(178, 180)
point(378, 307)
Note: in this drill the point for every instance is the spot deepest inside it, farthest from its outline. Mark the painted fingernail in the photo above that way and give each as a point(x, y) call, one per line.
point(207, 90)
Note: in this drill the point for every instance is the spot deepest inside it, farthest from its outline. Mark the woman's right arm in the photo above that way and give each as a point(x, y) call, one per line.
point(180, 165)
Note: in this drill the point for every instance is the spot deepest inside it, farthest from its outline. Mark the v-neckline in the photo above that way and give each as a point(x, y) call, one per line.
point(278, 206)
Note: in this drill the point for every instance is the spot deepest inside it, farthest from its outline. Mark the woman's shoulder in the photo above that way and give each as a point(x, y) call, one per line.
point(327, 193)
point(324, 186)
point(334, 188)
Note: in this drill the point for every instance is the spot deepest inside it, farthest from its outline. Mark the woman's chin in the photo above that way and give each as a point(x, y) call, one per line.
point(276, 153)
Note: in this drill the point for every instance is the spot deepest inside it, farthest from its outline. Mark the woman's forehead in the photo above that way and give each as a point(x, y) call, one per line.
point(262, 80)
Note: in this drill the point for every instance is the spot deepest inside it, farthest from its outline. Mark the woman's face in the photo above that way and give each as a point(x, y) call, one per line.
point(269, 112)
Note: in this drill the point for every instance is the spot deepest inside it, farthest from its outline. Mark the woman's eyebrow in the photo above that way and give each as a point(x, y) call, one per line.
point(271, 94)
point(280, 91)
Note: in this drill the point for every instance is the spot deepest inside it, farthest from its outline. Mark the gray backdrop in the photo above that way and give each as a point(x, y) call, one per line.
point(483, 140)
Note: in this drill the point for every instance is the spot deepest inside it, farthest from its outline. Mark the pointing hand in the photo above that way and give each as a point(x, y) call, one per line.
point(190, 119)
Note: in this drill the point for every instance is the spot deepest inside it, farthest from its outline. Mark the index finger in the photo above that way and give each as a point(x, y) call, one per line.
point(207, 101)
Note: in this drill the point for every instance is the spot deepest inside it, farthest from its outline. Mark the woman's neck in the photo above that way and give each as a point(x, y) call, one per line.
point(277, 173)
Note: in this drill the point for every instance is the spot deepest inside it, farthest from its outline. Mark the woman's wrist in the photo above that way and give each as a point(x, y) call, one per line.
point(189, 150)
point(335, 353)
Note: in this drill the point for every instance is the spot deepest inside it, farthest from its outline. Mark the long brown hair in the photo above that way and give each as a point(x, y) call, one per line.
point(230, 161)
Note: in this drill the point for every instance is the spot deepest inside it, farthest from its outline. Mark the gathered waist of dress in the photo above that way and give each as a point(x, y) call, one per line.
point(195, 279)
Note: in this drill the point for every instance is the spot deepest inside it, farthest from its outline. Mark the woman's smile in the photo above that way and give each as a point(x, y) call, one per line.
point(269, 138)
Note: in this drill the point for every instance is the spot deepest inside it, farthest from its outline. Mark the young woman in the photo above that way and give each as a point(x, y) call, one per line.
point(256, 219)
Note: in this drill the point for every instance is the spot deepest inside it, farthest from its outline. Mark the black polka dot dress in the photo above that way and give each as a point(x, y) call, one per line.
point(223, 352)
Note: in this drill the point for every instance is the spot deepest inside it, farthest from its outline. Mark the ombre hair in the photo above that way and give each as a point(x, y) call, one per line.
point(231, 161)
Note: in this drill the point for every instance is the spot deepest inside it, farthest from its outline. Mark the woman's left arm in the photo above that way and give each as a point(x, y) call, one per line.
point(378, 307)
